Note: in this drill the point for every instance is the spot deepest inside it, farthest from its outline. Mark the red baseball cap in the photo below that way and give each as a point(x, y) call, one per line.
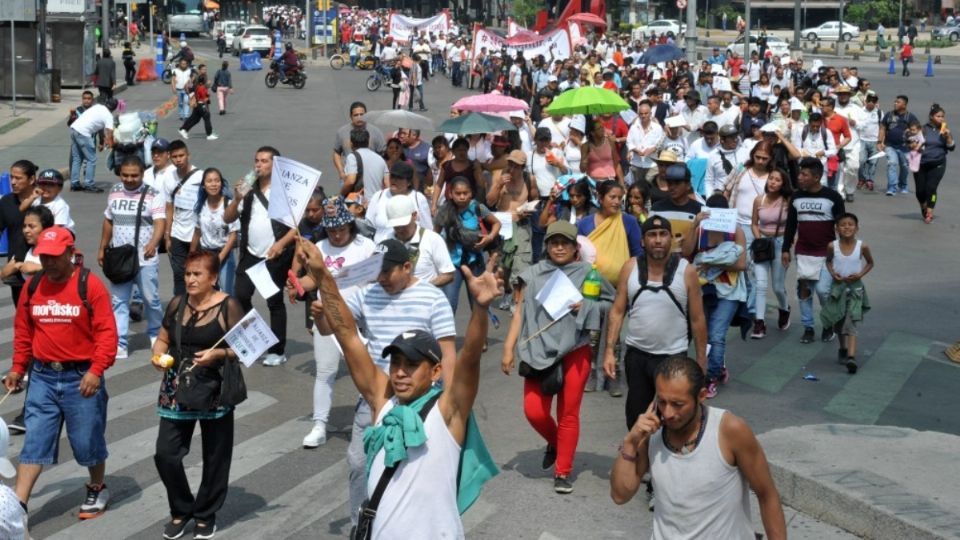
point(53, 241)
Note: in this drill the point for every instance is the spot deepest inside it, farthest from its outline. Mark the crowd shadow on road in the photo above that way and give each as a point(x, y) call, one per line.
point(527, 464)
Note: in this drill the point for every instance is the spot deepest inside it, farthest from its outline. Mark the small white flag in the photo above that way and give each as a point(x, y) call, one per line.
point(250, 338)
point(297, 182)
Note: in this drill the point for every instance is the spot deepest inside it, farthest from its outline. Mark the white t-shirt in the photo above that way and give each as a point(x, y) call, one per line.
point(480, 151)
point(640, 139)
point(181, 77)
point(122, 212)
point(184, 217)
point(545, 174)
point(559, 131)
point(260, 231)
point(433, 256)
point(92, 120)
point(60, 210)
point(336, 258)
point(374, 169)
point(213, 230)
point(158, 180)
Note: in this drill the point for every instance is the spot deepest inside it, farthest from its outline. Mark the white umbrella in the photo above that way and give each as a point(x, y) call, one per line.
point(399, 118)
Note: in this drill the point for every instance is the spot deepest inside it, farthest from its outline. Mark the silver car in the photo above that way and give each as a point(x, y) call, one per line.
point(830, 31)
point(947, 31)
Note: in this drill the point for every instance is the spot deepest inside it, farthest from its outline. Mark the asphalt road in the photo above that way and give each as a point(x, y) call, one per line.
point(280, 490)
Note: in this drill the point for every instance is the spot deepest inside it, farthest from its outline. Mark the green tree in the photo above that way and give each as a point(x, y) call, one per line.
point(868, 13)
point(525, 11)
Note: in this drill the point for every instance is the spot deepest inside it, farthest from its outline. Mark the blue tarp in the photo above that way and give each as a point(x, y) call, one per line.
point(250, 62)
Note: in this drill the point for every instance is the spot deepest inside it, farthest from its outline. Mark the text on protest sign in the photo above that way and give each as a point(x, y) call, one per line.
point(721, 220)
point(557, 41)
point(296, 182)
point(250, 338)
point(402, 27)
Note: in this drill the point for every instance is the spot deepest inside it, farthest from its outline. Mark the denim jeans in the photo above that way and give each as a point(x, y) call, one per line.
point(452, 289)
point(868, 168)
point(228, 273)
point(148, 281)
point(822, 289)
point(54, 399)
point(749, 276)
point(762, 273)
point(82, 148)
point(357, 458)
point(897, 168)
point(718, 323)
point(183, 104)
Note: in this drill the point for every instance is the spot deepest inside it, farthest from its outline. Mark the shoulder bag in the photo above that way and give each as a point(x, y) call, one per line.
point(762, 248)
point(197, 387)
point(121, 263)
point(368, 509)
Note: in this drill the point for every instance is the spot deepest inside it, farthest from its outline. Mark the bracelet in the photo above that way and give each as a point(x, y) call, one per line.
point(626, 456)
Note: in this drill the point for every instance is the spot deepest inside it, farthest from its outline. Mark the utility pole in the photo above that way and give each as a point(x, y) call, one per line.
point(692, 31)
point(105, 24)
point(840, 34)
point(746, 33)
point(796, 24)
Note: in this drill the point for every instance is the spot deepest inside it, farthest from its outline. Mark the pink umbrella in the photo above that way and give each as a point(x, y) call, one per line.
point(490, 103)
point(522, 37)
point(588, 18)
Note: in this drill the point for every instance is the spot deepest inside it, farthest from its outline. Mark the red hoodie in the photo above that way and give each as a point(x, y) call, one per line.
point(56, 327)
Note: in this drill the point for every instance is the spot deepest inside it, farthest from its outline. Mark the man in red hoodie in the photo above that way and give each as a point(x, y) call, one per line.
point(72, 337)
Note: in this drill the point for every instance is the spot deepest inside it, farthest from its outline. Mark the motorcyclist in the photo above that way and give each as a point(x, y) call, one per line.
point(185, 52)
point(289, 61)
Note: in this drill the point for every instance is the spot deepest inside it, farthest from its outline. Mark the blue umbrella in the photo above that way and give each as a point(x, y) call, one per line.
point(475, 122)
point(662, 53)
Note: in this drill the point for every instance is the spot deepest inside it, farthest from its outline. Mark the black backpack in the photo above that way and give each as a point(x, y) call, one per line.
point(81, 289)
point(668, 274)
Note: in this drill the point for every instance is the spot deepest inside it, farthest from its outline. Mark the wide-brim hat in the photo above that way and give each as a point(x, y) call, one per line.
point(335, 213)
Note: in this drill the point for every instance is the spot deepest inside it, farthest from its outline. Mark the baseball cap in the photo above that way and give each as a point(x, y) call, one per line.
point(401, 169)
point(518, 157)
point(6, 467)
point(161, 145)
point(729, 130)
point(579, 123)
point(656, 222)
point(561, 228)
point(53, 241)
point(400, 210)
point(415, 345)
point(677, 173)
point(518, 114)
point(394, 254)
point(50, 177)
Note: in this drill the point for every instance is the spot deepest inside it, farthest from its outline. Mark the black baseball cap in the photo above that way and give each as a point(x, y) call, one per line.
point(415, 345)
point(656, 222)
point(394, 254)
point(678, 172)
point(401, 169)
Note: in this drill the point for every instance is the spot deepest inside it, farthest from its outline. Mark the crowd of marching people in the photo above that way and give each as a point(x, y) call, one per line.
point(619, 209)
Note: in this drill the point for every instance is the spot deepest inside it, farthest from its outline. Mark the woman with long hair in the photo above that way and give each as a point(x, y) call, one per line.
point(769, 221)
point(600, 159)
point(213, 234)
point(933, 162)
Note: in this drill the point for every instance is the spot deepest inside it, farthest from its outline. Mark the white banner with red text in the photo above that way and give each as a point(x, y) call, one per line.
point(555, 44)
point(403, 27)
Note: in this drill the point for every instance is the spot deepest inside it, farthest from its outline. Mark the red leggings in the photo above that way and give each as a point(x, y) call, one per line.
point(562, 434)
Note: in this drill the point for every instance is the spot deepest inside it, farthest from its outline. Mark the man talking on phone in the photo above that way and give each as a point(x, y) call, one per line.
point(702, 460)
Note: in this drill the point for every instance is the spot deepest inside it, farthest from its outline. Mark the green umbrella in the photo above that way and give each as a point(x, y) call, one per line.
point(475, 122)
point(587, 100)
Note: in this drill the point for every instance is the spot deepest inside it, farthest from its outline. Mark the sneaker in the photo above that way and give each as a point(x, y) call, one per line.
point(95, 503)
point(18, 425)
point(851, 365)
point(827, 335)
point(891, 192)
point(807, 336)
point(316, 437)
point(549, 458)
point(212, 137)
point(272, 359)
point(783, 319)
point(204, 530)
point(562, 485)
point(76, 187)
point(841, 355)
point(183, 134)
point(759, 330)
point(849, 197)
point(713, 388)
point(122, 353)
point(175, 528)
point(904, 191)
point(136, 311)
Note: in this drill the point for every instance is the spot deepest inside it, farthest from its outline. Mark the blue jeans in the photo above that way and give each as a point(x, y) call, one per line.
point(82, 148)
point(868, 169)
point(718, 323)
point(228, 273)
point(821, 287)
point(749, 276)
point(148, 281)
point(183, 104)
point(54, 398)
point(763, 272)
point(897, 168)
point(452, 289)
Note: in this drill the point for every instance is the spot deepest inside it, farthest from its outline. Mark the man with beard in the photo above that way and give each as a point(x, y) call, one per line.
point(679, 438)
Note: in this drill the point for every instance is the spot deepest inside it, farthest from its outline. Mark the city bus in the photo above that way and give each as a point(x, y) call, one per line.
point(184, 16)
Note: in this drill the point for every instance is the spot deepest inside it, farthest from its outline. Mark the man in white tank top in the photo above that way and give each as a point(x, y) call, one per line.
point(702, 460)
point(420, 500)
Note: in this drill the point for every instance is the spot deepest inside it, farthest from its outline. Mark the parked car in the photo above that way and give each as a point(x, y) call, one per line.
point(252, 39)
point(658, 27)
point(947, 31)
point(830, 31)
point(777, 45)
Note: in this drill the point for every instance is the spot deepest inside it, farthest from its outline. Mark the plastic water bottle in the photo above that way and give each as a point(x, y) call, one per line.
point(591, 285)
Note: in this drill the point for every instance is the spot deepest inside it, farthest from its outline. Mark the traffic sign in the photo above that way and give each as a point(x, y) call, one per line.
point(681, 4)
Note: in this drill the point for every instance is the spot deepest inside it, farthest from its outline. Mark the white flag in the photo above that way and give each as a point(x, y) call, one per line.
point(297, 182)
point(250, 338)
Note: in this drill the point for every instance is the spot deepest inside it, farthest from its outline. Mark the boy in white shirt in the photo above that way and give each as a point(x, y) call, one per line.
point(47, 193)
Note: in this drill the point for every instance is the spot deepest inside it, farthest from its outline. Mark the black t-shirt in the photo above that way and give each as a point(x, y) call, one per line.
point(896, 126)
point(11, 221)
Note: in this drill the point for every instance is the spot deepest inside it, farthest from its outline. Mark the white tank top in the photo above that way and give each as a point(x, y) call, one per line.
point(654, 324)
point(847, 265)
point(699, 495)
point(421, 499)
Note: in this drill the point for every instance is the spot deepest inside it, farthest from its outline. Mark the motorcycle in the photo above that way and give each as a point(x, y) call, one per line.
point(382, 74)
point(295, 77)
point(167, 75)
